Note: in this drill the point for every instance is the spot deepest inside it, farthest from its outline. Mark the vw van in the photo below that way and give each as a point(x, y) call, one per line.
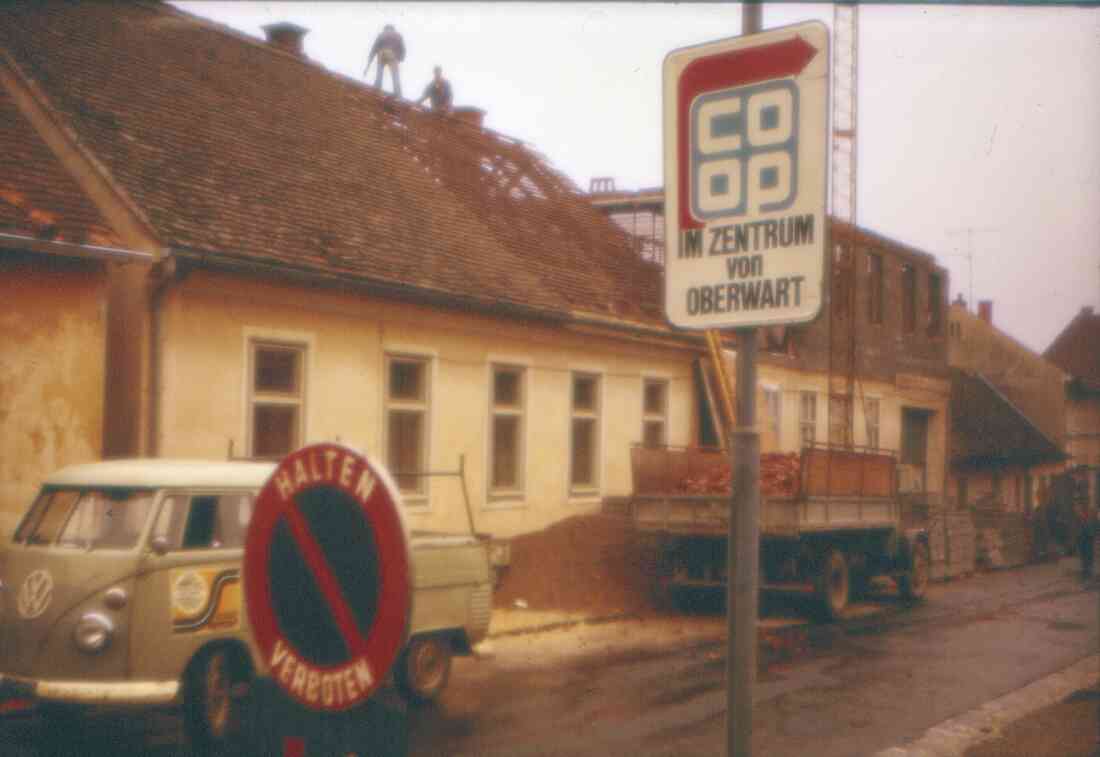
point(122, 586)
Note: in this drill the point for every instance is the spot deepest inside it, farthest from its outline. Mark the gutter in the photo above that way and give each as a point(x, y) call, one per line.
point(164, 275)
point(72, 249)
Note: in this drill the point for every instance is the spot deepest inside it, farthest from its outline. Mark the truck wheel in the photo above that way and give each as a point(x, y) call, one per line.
point(832, 584)
point(212, 713)
point(913, 583)
point(423, 668)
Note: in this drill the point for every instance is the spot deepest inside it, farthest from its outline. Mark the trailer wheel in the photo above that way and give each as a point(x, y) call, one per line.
point(913, 583)
point(423, 668)
point(832, 583)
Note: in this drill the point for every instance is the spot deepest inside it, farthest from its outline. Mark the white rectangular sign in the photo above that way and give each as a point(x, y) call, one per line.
point(745, 149)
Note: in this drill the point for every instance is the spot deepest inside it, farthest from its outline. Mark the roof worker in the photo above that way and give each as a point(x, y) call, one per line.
point(390, 49)
point(439, 92)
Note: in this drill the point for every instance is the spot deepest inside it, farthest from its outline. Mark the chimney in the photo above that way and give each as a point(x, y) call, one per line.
point(985, 311)
point(599, 184)
point(286, 36)
point(475, 117)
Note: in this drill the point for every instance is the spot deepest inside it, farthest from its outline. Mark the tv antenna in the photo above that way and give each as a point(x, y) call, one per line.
point(970, 231)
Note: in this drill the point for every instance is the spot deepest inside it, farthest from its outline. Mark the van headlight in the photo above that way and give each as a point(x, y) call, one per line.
point(93, 633)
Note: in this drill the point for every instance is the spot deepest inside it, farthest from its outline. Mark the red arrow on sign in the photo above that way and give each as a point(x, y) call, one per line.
point(731, 69)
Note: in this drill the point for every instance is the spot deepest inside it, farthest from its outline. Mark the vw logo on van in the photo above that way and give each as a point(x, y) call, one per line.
point(35, 594)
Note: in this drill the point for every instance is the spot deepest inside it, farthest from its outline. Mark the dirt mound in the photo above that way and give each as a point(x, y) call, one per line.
point(587, 563)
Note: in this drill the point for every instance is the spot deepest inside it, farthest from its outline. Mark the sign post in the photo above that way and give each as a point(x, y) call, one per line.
point(745, 149)
point(327, 582)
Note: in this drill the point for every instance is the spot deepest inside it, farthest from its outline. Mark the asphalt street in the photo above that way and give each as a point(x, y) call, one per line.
point(861, 686)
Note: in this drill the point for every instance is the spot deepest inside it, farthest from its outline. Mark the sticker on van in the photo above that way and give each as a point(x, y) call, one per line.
point(205, 599)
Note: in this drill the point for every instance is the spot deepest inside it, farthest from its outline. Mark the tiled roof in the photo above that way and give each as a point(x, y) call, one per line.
point(37, 197)
point(987, 427)
point(1077, 349)
point(234, 148)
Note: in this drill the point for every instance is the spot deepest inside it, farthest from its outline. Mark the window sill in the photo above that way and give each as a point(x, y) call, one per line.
point(584, 496)
point(416, 503)
point(506, 501)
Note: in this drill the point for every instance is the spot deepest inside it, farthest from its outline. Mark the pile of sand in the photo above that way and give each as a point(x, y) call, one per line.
point(587, 563)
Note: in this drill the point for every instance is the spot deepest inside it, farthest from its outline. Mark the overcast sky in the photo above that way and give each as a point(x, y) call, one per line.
point(984, 118)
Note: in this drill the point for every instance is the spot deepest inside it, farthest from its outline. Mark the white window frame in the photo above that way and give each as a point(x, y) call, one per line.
point(419, 498)
point(658, 417)
point(592, 488)
point(254, 342)
point(514, 496)
point(807, 423)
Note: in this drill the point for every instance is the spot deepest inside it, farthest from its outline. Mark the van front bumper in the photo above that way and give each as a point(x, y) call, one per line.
point(88, 692)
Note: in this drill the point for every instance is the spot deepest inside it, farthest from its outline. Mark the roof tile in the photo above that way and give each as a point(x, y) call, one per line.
point(233, 147)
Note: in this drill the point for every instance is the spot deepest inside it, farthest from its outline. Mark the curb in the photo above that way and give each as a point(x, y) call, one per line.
point(556, 625)
point(953, 737)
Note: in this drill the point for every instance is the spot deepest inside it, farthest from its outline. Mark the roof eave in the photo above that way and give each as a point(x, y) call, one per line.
point(73, 250)
point(432, 297)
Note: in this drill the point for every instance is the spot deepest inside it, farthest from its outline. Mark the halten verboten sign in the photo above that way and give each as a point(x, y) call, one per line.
point(745, 148)
point(327, 577)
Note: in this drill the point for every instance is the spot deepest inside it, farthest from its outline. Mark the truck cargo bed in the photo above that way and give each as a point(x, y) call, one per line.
point(709, 514)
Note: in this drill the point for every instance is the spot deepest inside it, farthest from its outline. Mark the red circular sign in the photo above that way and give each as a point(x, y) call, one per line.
point(327, 576)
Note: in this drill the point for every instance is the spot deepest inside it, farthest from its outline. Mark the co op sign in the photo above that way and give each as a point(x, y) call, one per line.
point(745, 138)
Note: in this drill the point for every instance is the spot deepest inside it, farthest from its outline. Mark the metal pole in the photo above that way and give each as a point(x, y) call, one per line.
point(743, 554)
point(743, 539)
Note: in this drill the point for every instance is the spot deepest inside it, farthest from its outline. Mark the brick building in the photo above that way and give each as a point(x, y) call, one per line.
point(870, 371)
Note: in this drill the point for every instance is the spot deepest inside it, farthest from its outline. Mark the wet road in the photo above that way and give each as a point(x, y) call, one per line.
point(865, 686)
point(656, 687)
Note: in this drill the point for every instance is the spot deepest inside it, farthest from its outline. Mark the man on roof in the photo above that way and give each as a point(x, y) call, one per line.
point(438, 92)
point(390, 49)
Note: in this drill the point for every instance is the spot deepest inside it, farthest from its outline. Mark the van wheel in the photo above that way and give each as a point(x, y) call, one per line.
point(212, 713)
point(423, 668)
point(913, 583)
point(832, 584)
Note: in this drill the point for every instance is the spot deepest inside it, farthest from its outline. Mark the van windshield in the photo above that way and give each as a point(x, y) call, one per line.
point(86, 518)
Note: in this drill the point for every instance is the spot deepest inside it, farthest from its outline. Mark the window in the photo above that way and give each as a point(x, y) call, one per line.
point(583, 469)
point(654, 412)
point(506, 433)
point(875, 287)
point(207, 521)
point(908, 298)
point(807, 418)
point(871, 419)
point(935, 304)
point(276, 399)
point(773, 406)
point(88, 518)
point(407, 399)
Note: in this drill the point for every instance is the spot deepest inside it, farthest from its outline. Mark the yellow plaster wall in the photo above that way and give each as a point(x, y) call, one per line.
point(51, 373)
point(909, 391)
point(208, 320)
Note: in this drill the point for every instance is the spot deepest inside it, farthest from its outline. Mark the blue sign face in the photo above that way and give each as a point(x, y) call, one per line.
point(744, 151)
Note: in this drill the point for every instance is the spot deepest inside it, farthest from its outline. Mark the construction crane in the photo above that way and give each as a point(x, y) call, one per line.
point(842, 262)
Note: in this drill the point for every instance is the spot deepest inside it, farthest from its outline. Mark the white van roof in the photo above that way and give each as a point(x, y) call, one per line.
point(157, 473)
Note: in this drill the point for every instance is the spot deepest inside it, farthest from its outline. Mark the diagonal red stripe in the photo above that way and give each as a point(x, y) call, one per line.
point(326, 581)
